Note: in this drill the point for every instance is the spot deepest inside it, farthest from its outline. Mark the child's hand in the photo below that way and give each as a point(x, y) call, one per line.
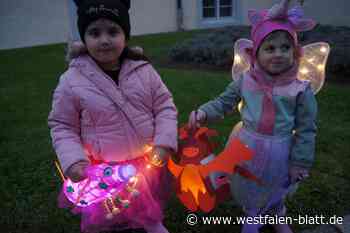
point(159, 156)
point(196, 119)
point(297, 174)
point(76, 172)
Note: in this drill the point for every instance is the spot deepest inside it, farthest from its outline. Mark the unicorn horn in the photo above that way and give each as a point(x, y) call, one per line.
point(279, 10)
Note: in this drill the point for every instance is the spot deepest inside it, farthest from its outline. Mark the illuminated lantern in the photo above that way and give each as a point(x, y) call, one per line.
point(112, 186)
point(103, 181)
point(198, 185)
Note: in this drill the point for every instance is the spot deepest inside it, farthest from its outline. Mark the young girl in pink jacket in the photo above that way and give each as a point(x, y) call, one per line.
point(108, 105)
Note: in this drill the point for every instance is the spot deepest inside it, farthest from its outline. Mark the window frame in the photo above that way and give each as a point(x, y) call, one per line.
point(212, 22)
point(217, 6)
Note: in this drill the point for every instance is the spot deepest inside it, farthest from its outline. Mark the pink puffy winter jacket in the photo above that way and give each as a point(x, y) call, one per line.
point(93, 115)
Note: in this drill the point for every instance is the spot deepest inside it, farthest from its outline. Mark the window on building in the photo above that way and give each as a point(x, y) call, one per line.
point(225, 8)
point(209, 8)
point(217, 8)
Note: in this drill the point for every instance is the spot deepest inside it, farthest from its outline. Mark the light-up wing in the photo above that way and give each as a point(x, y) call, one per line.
point(313, 64)
point(241, 60)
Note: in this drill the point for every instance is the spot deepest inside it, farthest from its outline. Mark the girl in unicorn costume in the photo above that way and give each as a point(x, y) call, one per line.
point(274, 86)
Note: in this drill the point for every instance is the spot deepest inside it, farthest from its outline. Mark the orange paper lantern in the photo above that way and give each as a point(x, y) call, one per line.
point(192, 186)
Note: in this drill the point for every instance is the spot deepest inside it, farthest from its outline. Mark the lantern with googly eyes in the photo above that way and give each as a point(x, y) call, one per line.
point(112, 186)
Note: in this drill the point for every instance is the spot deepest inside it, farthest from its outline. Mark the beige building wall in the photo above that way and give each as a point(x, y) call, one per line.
point(334, 12)
point(190, 14)
point(152, 16)
point(28, 23)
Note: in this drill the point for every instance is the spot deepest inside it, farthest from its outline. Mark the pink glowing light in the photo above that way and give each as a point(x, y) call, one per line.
point(104, 181)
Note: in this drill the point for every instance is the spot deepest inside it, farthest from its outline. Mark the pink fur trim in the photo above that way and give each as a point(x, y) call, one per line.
point(75, 49)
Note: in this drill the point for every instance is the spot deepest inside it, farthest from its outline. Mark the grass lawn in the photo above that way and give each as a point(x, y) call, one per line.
point(30, 183)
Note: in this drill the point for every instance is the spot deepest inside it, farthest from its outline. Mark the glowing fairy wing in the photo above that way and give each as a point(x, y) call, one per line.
point(241, 61)
point(313, 64)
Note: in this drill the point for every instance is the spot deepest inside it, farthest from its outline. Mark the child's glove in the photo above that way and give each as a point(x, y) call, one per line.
point(298, 174)
point(159, 156)
point(76, 172)
point(196, 119)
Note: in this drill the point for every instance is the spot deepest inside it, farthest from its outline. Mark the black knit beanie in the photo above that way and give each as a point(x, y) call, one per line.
point(114, 10)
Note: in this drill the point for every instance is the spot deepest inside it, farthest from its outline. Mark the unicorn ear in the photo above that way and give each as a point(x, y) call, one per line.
point(255, 17)
point(304, 25)
point(296, 17)
point(126, 3)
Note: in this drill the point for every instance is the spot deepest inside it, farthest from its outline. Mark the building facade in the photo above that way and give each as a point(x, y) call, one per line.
point(28, 23)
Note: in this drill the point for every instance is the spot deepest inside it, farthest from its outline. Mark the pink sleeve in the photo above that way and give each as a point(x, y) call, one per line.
point(165, 113)
point(64, 125)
